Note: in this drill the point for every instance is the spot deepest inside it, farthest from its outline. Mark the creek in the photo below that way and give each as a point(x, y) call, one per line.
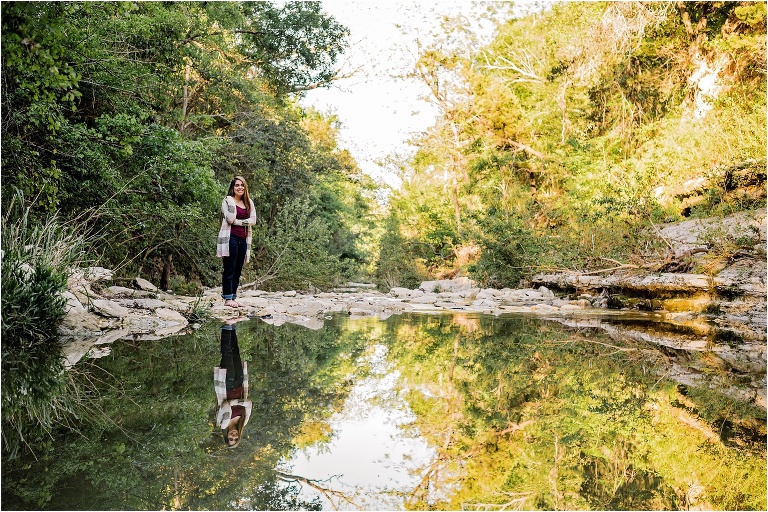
point(440, 411)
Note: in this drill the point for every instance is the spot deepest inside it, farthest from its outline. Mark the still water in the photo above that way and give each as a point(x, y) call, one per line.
point(445, 412)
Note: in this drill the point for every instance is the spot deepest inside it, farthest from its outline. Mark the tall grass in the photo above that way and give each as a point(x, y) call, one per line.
point(37, 255)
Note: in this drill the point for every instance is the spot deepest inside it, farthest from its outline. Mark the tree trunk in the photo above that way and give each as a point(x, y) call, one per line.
point(456, 209)
point(166, 277)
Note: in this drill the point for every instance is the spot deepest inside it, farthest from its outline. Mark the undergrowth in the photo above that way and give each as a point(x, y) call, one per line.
point(36, 257)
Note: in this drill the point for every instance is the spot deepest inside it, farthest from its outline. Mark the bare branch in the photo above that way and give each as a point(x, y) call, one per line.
point(524, 66)
point(317, 485)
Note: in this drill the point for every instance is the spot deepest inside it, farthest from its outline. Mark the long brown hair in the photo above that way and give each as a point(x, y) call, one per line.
point(239, 427)
point(246, 195)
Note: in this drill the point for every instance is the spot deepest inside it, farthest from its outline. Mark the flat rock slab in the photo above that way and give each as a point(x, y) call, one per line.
point(150, 304)
point(123, 292)
point(110, 308)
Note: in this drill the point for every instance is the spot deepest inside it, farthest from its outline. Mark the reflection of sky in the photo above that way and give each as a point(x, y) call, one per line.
point(370, 455)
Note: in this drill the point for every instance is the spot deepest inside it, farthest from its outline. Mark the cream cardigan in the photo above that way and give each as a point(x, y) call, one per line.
point(224, 410)
point(229, 218)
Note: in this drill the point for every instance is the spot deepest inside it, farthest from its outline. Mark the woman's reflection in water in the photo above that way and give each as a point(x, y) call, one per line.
point(230, 381)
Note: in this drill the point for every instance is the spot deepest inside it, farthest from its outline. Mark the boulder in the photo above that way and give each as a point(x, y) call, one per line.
point(487, 293)
point(427, 298)
point(73, 305)
point(546, 292)
point(109, 308)
point(143, 284)
point(170, 316)
point(400, 292)
point(447, 285)
point(94, 274)
point(254, 302)
point(306, 308)
point(76, 323)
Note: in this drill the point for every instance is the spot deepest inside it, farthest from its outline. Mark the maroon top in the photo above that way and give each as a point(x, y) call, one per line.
point(237, 410)
point(235, 393)
point(240, 231)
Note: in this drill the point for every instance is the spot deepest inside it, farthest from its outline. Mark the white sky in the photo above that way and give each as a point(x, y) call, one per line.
point(379, 113)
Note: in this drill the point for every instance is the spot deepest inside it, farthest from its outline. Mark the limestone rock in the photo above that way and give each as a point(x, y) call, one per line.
point(447, 285)
point(543, 307)
point(254, 301)
point(427, 298)
point(73, 305)
point(87, 322)
point(123, 292)
point(305, 309)
point(171, 316)
point(400, 292)
point(150, 304)
point(143, 284)
point(546, 292)
point(487, 293)
point(94, 274)
point(109, 308)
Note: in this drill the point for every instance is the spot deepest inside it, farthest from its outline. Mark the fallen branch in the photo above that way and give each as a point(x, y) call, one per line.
point(523, 147)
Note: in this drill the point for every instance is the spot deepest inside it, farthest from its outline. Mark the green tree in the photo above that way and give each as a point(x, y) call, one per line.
point(147, 111)
point(577, 121)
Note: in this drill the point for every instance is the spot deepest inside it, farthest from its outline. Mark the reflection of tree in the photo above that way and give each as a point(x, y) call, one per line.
point(332, 495)
point(159, 448)
point(524, 414)
point(452, 399)
point(516, 501)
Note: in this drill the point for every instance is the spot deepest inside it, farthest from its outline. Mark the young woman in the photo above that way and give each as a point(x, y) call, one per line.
point(234, 242)
point(230, 381)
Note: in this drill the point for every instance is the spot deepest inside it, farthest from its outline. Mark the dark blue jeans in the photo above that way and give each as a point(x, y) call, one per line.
point(230, 357)
point(233, 265)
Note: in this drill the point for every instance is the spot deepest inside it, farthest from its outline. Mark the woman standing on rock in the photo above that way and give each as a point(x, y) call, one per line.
point(234, 243)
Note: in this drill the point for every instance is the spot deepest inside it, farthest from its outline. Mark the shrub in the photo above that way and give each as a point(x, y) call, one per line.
point(397, 266)
point(510, 251)
point(35, 261)
point(296, 253)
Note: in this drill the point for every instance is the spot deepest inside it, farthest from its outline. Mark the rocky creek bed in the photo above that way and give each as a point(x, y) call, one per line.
point(721, 317)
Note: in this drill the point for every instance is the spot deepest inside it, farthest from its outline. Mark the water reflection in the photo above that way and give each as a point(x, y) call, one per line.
point(441, 412)
point(371, 461)
point(230, 381)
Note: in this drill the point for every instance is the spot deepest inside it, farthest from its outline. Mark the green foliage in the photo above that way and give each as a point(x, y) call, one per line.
point(295, 46)
point(140, 114)
point(396, 266)
point(577, 123)
point(296, 251)
point(510, 250)
point(36, 261)
point(151, 442)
